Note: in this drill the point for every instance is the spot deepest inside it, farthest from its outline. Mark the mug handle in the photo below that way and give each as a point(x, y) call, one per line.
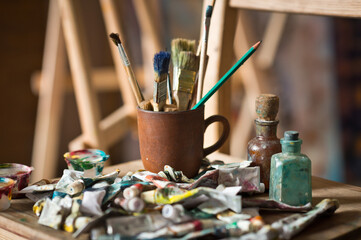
point(224, 136)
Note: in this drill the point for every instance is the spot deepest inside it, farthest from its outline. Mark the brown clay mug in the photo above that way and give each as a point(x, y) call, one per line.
point(176, 139)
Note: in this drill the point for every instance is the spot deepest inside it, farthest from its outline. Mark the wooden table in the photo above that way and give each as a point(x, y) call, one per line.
point(19, 221)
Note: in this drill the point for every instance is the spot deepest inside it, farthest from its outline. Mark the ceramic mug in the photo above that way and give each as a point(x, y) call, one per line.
point(176, 139)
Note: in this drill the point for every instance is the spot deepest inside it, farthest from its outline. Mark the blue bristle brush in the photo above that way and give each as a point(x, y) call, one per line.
point(161, 67)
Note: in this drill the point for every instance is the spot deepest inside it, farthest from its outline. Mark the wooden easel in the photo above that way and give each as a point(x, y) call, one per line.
point(63, 24)
point(226, 14)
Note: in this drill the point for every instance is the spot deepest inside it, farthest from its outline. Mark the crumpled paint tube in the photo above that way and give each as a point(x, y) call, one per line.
point(75, 187)
point(132, 205)
point(133, 225)
point(91, 203)
point(157, 180)
point(173, 175)
point(272, 204)
point(295, 223)
point(69, 176)
point(181, 229)
point(38, 206)
point(288, 227)
point(234, 229)
point(176, 213)
point(69, 223)
point(247, 177)
point(172, 195)
point(110, 178)
point(97, 221)
point(133, 191)
point(114, 189)
point(51, 214)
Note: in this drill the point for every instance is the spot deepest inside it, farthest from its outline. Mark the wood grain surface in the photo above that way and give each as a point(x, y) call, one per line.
point(340, 8)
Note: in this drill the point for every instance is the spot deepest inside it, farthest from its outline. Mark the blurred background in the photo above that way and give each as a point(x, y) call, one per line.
point(315, 73)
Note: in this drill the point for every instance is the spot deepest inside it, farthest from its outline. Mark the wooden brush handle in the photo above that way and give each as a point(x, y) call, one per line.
point(134, 85)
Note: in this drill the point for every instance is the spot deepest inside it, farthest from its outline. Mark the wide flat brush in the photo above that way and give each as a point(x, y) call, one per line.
point(188, 66)
point(178, 45)
point(128, 68)
point(161, 67)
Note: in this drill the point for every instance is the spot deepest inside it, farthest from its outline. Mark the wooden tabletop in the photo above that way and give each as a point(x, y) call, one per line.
point(19, 221)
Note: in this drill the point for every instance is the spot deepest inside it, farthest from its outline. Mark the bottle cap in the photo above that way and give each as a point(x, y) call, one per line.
point(291, 136)
point(267, 107)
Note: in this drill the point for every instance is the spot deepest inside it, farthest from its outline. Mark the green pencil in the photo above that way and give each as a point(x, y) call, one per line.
point(227, 75)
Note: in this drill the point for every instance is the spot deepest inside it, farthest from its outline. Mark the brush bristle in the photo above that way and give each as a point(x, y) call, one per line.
point(115, 38)
point(188, 60)
point(161, 62)
point(180, 44)
point(209, 11)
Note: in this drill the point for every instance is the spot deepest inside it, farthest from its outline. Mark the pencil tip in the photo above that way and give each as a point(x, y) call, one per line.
point(257, 45)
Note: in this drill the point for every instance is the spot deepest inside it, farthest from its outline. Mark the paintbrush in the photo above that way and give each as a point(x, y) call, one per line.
point(161, 66)
point(128, 68)
point(178, 45)
point(200, 40)
point(188, 66)
point(203, 61)
point(228, 75)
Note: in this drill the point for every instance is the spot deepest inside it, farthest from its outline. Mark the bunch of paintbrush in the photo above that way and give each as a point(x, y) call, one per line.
point(188, 63)
point(161, 66)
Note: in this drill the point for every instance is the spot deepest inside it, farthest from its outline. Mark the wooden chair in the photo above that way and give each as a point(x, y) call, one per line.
point(65, 29)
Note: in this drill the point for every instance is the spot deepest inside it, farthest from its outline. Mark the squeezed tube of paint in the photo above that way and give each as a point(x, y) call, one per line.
point(133, 191)
point(133, 205)
point(75, 187)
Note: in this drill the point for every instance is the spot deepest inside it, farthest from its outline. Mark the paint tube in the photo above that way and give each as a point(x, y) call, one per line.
point(69, 223)
point(38, 206)
point(272, 204)
point(114, 189)
point(286, 228)
point(181, 229)
point(172, 195)
point(247, 177)
point(133, 191)
point(128, 176)
point(110, 178)
point(91, 203)
point(157, 180)
point(99, 221)
point(69, 176)
point(133, 225)
point(295, 223)
point(133, 205)
point(212, 206)
point(173, 175)
point(38, 188)
point(97, 233)
point(51, 214)
point(231, 217)
point(176, 213)
point(75, 187)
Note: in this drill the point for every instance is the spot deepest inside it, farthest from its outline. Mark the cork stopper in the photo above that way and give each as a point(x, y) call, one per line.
point(267, 107)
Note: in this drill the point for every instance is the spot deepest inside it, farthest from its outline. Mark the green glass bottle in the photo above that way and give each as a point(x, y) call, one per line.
point(290, 180)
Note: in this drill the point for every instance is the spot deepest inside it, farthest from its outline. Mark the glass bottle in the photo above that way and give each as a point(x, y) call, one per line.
point(291, 173)
point(265, 144)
